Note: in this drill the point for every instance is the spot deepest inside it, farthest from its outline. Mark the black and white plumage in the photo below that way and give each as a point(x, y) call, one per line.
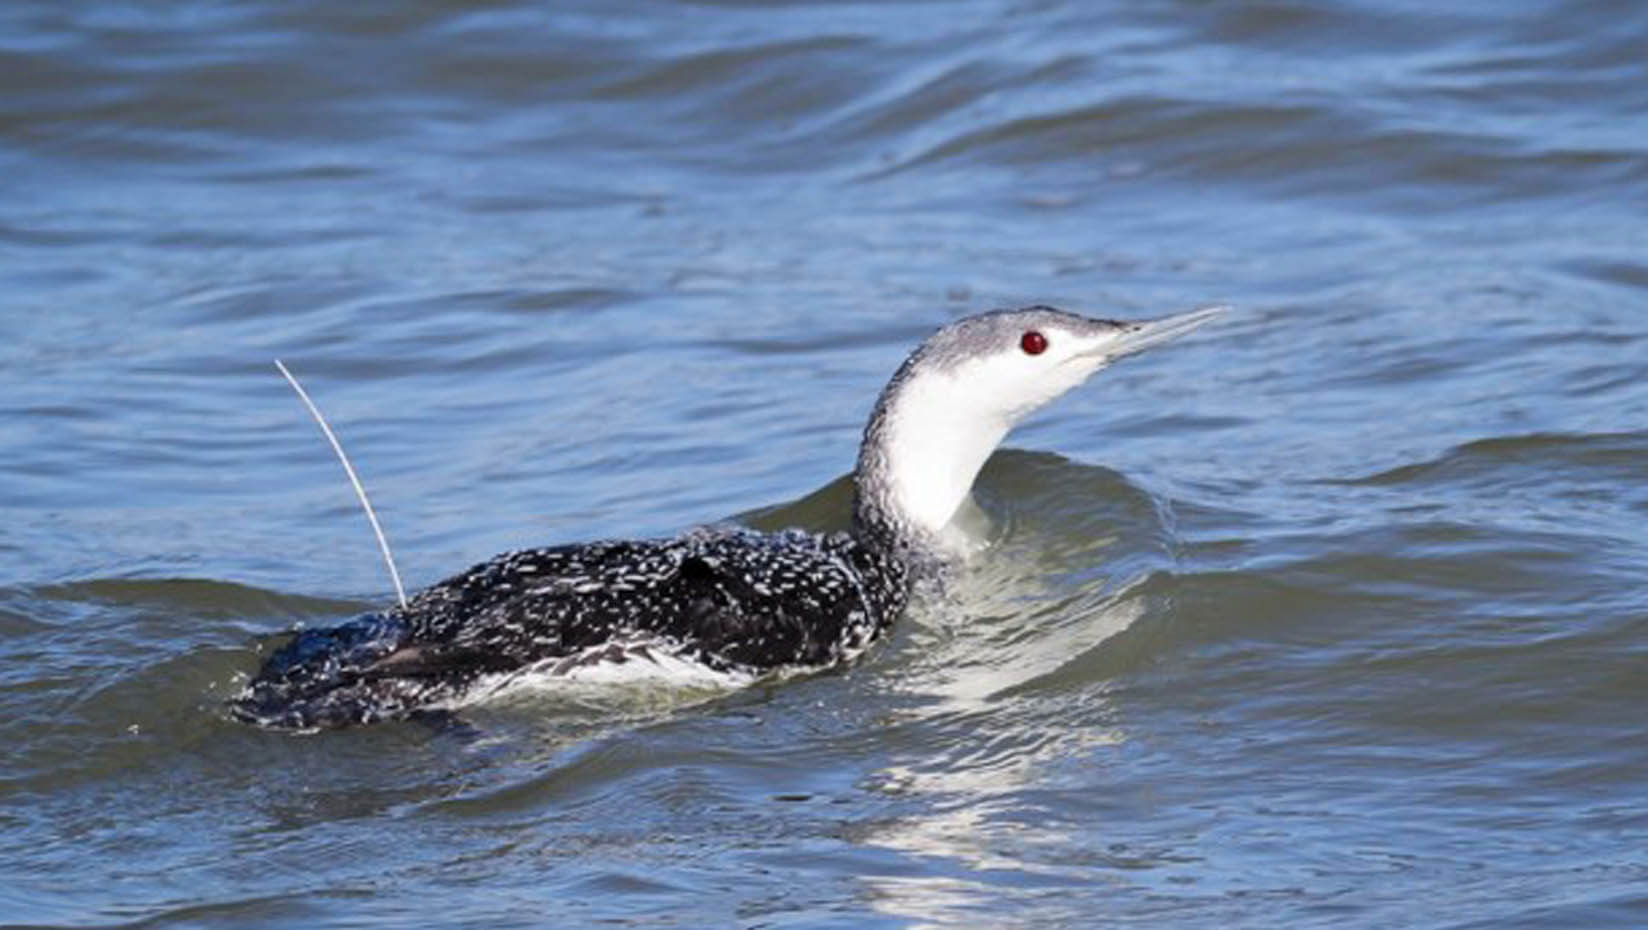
point(726, 599)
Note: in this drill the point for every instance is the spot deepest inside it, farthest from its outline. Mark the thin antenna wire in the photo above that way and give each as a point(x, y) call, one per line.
point(360, 490)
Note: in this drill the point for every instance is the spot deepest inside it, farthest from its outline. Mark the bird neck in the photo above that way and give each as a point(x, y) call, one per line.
point(922, 449)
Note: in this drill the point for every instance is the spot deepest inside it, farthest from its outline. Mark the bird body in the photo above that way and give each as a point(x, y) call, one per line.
point(727, 599)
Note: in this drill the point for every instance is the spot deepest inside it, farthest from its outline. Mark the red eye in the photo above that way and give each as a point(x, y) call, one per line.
point(1033, 343)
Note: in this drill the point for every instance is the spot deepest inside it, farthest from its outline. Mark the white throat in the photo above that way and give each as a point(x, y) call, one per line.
point(935, 445)
point(937, 425)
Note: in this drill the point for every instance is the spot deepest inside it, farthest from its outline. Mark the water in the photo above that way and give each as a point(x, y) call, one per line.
point(1332, 614)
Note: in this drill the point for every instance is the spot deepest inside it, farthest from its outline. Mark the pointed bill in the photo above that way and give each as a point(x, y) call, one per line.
point(1146, 333)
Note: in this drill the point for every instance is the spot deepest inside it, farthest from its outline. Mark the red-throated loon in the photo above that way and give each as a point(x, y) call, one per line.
point(724, 599)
